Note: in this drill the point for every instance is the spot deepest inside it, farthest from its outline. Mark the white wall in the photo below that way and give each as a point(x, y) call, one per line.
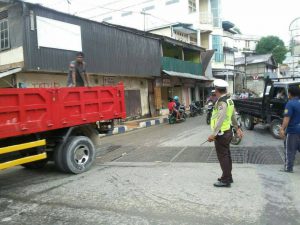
point(246, 41)
point(162, 14)
point(11, 56)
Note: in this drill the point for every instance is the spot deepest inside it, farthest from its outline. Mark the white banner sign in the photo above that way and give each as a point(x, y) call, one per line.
point(56, 34)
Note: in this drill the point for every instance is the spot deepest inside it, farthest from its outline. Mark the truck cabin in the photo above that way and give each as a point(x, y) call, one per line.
point(276, 96)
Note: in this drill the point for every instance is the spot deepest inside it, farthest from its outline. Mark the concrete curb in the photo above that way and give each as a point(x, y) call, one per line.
point(150, 123)
point(144, 124)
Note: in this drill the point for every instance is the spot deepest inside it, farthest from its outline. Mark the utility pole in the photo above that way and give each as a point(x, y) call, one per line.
point(69, 3)
point(144, 13)
point(245, 83)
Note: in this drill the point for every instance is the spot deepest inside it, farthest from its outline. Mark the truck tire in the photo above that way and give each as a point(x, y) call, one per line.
point(35, 165)
point(78, 155)
point(58, 158)
point(274, 128)
point(248, 122)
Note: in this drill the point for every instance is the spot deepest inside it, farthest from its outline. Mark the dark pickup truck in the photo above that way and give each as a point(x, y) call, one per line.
point(269, 109)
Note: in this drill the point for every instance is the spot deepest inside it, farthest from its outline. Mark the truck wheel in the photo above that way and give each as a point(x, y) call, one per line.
point(78, 154)
point(35, 165)
point(248, 122)
point(58, 158)
point(172, 119)
point(275, 127)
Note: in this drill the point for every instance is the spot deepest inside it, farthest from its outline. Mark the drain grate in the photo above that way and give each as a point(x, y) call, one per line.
point(237, 156)
point(265, 156)
point(252, 155)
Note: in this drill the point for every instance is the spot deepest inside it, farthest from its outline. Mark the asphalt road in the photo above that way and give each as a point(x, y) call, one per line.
point(159, 175)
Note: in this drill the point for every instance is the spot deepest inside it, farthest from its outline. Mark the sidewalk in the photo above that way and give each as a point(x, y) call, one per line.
point(137, 124)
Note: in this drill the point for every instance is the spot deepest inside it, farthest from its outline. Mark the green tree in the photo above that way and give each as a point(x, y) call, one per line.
point(274, 45)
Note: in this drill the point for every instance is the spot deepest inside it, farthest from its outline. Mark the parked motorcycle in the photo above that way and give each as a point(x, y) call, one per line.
point(195, 109)
point(210, 107)
point(235, 139)
point(182, 115)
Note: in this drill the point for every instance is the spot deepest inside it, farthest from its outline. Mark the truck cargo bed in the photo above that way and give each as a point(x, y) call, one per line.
point(252, 106)
point(33, 110)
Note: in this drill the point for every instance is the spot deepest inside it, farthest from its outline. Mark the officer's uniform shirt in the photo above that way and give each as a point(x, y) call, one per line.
point(222, 111)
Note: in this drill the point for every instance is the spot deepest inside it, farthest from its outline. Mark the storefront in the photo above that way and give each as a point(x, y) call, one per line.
point(187, 87)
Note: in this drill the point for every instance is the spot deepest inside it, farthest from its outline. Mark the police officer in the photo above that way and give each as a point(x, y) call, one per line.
point(290, 128)
point(223, 116)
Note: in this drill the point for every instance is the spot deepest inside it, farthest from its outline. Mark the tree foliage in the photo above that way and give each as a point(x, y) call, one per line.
point(273, 45)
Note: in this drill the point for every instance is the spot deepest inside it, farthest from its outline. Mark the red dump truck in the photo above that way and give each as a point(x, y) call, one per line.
point(38, 125)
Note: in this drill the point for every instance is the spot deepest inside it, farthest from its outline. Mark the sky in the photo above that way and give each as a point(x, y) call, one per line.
point(262, 17)
point(252, 17)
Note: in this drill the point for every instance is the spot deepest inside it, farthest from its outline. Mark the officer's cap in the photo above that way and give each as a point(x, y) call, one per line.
point(220, 83)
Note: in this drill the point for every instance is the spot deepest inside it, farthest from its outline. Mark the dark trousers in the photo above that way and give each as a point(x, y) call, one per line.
point(291, 145)
point(222, 144)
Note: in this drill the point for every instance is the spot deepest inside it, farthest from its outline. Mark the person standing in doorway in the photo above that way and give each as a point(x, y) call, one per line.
point(290, 128)
point(223, 116)
point(77, 76)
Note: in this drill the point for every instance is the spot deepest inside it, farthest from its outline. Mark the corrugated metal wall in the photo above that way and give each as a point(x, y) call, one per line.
point(15, 25)
point(107, 49)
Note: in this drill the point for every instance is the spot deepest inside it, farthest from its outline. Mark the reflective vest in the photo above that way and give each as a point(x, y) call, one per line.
point(229, 112)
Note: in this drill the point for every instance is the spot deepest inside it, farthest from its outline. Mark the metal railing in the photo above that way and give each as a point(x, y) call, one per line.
point(177, 65)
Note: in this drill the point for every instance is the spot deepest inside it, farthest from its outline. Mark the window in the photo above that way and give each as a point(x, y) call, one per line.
point(193, 40)
point(279, 93)
point(169, 2)
point(217, 46)
point(181, 36)
point(247, 44)
point(192, 6)
point(4, 34)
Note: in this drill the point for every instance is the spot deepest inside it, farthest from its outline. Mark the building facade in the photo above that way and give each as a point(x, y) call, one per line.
point(199, 21)
point(245, 44)
point(256, 68)
point(183, 66)
point(40, 43)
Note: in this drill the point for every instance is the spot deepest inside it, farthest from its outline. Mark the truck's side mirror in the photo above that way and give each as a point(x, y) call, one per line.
point(268, 90)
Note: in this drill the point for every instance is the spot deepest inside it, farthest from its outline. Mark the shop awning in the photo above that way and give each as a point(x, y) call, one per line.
point(186, 75)
point(10, 72)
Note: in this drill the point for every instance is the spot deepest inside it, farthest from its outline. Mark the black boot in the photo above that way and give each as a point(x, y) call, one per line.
point(222, 184)
point(230, 180)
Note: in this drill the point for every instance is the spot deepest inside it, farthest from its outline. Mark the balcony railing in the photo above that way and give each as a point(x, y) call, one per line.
point(176, 65)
